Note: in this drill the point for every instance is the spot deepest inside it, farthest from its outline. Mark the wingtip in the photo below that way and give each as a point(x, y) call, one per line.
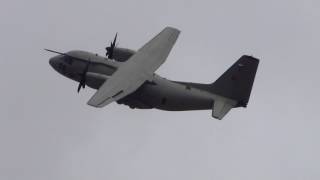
point(93, 104)
point(173, 28)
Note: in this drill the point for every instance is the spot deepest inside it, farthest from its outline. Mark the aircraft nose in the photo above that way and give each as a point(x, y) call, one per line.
point(53, 62)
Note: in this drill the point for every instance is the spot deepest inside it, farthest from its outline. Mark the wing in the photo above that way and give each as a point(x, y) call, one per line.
point(138, 69)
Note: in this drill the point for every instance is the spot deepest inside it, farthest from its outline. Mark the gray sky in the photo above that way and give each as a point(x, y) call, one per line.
point(48, 132)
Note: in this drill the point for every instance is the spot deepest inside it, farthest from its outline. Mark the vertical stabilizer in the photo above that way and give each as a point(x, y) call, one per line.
point(236, 83)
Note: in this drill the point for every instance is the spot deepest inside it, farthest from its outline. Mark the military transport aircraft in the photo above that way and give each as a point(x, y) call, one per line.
point(128, 77)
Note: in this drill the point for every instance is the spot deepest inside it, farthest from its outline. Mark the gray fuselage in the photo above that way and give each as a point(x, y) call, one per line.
point(159, 93)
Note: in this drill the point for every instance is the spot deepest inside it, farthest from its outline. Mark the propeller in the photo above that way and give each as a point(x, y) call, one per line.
point(110, 49)
point(82, 83)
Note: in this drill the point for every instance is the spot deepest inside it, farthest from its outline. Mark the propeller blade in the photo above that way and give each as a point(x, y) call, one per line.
point(82, 82)
point(110, 49)
point(115, 39)
point(79, 87)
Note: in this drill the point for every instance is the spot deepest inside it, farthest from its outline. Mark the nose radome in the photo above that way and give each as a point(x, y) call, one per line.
point(53, 62)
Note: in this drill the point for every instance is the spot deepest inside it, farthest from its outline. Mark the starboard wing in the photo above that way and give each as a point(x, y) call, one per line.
point(138, 69)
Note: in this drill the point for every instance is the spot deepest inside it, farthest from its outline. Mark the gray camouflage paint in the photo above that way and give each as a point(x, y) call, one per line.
point(48, 132)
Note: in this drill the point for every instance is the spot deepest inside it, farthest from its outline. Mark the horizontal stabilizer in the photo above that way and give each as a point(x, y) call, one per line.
point(221, 108)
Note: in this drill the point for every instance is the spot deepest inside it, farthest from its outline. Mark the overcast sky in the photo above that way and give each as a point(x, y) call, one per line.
point(47, 132)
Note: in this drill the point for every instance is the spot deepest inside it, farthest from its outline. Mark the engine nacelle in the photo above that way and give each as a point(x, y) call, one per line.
point(122, 54)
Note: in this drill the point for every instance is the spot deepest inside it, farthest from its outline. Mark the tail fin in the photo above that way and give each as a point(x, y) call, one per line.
point(234, 86)
point(236, 83)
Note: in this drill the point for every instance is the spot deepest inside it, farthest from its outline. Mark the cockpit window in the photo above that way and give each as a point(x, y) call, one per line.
point(68, 60)
point(62, 67)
